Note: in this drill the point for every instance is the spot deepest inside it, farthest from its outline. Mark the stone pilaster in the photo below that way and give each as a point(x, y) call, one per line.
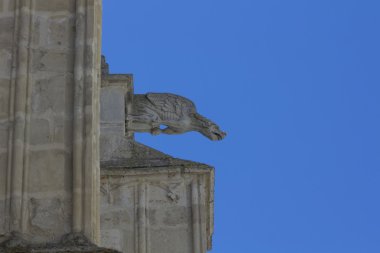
point(49, 118)
point(87, 80)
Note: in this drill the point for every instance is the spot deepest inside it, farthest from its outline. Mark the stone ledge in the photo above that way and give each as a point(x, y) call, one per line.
point(130, 154)
point(70, 243)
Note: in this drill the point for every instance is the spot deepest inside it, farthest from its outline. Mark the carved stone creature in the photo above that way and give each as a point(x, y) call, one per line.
point(152, 110)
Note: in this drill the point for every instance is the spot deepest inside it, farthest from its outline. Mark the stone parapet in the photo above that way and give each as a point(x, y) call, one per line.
point(167, 208)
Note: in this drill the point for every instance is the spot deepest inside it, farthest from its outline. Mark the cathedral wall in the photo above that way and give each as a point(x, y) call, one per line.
point(49, 116)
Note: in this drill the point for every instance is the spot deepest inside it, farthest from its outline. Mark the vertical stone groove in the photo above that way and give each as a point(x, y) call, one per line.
point(201, 211)
point(98, 14)
point(17, 170)
point(78, 130)
point(143, 226)
point(86, 121)
point(25, 179)
point(210, 206)
point(195, 202)
point(91, 121)
point(136, 222)
point(147, 236)
point(11, 118)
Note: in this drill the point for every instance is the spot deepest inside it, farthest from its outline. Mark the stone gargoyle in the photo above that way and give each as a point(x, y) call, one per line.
point(151, 111)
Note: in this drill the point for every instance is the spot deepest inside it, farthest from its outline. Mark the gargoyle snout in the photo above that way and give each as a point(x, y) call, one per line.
point(207, 128)
point(217, 136)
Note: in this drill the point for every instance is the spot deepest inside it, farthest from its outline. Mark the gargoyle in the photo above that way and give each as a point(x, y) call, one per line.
point(151, 111)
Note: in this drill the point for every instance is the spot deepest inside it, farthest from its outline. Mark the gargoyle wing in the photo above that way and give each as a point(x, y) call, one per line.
point(173, 107)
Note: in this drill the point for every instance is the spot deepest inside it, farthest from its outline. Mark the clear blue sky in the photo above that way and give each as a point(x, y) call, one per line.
point(296, 84)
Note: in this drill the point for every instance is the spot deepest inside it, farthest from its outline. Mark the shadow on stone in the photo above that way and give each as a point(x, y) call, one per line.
point(70, 243)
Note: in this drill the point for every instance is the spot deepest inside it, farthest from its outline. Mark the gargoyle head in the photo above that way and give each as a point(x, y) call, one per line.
point(208, 128)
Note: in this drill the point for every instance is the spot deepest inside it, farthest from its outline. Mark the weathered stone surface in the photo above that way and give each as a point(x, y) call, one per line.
point(5, 62)
point(40, 129)
point(50, 93)
point(4, 100)
point(6, 29)
point(3, 174)
point(152, 201)
point(55, 6)
point(2, 220)
point(47, 216)
point(161, 209)
point(53, 166)
point(59, 31)
point(11, 5)
point(52, 61)
point(112, 110)
point(172, 240)
point(177, 114)
point(49, 117)
point(131, 154)
point(3, 136)
point(70, 243)
point(113, 147)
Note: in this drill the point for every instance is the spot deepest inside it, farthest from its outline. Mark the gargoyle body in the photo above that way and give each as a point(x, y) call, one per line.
point(151, 111)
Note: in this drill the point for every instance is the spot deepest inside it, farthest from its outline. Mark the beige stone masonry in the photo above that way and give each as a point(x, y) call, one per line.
point(49, 118)
point(157, 209)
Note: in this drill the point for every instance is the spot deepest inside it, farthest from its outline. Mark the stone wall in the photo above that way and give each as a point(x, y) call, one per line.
point(49, 125)
point(50, 79)
point(162, 209)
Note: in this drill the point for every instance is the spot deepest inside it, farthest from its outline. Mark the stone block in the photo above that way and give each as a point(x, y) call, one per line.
point(3, 176)
point(55, 33)
point(52, 61)
point(10, 4)
point(116, 219)
point(5, 62)
point(60, 32)
point(3, 221)
point(39, 31)
point(114, 147)
point(50, 107)
point(171, 240)
point(6, 31)
point(114, 238)
point(61, 132)
point(3, 197)
point(112, 109)
point(4, 99)
point(49, 94)
point(49, 171)
point(40, 132)
point(48, 219)
point(55, 5)
point(4, 127)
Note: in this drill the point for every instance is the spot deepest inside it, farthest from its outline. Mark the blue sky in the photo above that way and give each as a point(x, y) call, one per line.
point(296, 84)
